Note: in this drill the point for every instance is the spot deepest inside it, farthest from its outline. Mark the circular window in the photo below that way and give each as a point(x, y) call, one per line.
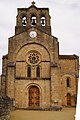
point(33, 58)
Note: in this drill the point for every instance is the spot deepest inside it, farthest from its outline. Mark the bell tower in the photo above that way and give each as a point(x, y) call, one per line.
point(33, 17)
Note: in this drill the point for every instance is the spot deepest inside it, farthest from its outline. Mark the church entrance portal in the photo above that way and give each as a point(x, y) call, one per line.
point(34, 96)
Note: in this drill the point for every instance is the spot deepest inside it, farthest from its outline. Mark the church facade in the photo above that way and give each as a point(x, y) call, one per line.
point(34, 74)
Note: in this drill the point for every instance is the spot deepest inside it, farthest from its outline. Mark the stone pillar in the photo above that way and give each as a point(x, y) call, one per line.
point(11, 80)
point(55, 85)
point(3, 84)
point(28, 21)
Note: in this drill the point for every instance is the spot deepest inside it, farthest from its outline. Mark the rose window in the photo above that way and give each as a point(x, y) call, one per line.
point(33, 58)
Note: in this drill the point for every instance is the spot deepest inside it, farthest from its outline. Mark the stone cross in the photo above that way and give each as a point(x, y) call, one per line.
point(33, 3)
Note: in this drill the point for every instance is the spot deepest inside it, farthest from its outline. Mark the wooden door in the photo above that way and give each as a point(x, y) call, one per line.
point(68, 99)
point(34, 96)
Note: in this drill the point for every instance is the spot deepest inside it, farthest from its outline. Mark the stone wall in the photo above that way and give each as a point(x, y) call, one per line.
point(69, 69)
point(5, 106)
point(22, 92)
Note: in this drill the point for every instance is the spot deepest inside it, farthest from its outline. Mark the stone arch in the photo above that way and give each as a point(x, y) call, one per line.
point(33, 84)
point(33, 14)
point(65, 77)
point(22, 63)
point(23, 19)
point(32, 46)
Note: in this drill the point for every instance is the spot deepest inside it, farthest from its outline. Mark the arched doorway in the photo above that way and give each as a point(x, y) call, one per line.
point(34, 96)
point(68, 99)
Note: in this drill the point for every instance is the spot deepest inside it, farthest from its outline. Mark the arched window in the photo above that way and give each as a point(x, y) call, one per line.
point(42, 20)
point(68, 82)
point(24, 21)
point(33, 20)
point(38, 71)
point(29, 71)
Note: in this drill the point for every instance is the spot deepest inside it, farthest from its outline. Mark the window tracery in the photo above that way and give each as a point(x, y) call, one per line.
point(33, 58)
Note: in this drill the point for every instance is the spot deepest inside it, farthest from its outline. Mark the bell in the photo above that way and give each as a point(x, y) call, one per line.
point(24, 22)
point(43, 21)
point(33, 22)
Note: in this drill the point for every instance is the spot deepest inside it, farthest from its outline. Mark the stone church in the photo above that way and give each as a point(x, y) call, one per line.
point(34, 74)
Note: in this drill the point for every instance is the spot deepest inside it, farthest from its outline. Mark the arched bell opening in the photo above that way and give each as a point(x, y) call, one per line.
point(43, 20)
point(33, 20)
point(24, 21)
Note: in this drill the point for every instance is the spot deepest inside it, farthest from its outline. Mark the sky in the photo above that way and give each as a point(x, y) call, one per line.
point(65, 23)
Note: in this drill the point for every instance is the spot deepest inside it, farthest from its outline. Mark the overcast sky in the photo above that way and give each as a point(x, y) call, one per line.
point(65, 23)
